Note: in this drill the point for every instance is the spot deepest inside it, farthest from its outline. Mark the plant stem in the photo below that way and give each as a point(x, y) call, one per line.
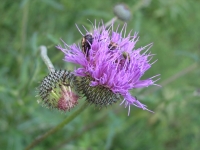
point(107, 24)
point(58, 127)
point(86, 128)
point(46, 59)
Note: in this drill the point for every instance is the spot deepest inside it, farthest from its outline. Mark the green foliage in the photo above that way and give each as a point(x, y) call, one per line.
point(173, 27)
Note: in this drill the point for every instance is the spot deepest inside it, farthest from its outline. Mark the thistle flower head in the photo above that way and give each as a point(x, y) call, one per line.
point(111, 62)
point(55, 91)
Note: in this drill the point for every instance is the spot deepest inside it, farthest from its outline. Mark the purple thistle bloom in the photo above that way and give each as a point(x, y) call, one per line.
point(113, 62)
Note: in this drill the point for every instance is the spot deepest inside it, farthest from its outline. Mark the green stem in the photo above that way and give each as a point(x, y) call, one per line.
point(58, 127)
point(46, 59)
point(90, 126)
point(111, 21)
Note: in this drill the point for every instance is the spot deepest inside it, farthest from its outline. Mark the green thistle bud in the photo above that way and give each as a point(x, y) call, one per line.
point(98, 95)
point(56, 91)
point(122, 12)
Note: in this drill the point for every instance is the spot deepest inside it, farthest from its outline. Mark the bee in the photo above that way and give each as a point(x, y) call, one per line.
point(126, 56)
point(112, 45)
point(86, 43)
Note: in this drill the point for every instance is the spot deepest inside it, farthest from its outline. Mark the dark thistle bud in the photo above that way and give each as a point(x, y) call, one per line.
point(122, 12)
point(99, 95)
point(57, 91)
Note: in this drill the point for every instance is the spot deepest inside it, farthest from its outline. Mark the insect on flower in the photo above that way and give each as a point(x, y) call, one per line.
point(126, 55)
point(86, 43)
point(115, 46)
point(112, 46)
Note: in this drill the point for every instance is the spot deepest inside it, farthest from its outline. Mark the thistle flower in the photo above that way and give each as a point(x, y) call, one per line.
point(110, 66)
point(55, 91)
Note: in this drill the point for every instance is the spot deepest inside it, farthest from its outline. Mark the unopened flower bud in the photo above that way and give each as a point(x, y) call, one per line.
point(122, 12)
point(97, 95)
point(57, 91)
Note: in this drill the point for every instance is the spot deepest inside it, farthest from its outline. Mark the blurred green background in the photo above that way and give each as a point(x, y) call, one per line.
point(174, 28)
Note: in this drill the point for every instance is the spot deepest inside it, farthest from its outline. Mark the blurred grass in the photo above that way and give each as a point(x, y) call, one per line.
point(173, 27)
